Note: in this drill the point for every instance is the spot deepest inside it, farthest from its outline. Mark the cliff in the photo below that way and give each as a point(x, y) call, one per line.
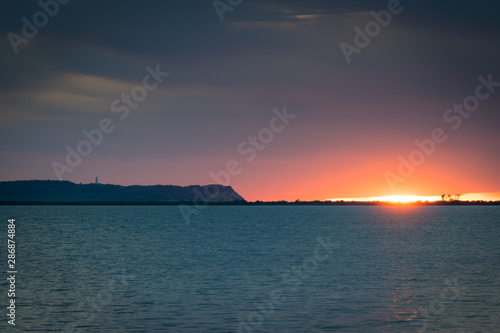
point(65, 191)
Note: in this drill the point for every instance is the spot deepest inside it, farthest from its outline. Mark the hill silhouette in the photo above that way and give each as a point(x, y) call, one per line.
point(51, 191)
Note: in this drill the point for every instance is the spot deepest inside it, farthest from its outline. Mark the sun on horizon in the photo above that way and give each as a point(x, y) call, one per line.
point(393, 198)
point(406, 198)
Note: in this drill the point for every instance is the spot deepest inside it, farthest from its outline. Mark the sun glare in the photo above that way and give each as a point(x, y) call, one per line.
point(394, 199)
point(403, 198)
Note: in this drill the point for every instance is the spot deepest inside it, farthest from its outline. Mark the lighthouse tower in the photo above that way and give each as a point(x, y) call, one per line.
point(96, 180)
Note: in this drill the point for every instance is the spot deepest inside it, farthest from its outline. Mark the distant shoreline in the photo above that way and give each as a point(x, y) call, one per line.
point(254, 203)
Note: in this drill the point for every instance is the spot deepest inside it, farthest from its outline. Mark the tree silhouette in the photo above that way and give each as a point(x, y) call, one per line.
point(450, 198)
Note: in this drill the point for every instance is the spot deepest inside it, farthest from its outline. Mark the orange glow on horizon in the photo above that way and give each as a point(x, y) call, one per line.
point(394, 198)
point(418, 198)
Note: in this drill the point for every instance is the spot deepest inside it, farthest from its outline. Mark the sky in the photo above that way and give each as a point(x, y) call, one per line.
point(282, 100)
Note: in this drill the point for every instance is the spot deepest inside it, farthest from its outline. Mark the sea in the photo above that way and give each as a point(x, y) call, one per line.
point(393, 268)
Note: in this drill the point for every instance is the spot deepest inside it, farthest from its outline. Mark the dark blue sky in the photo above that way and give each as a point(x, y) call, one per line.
point(353, 119)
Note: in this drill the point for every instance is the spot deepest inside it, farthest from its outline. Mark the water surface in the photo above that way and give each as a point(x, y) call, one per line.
point(259, 268)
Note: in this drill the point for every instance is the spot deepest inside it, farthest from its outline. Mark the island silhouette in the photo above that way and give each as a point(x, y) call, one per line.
point(63, 192)
point(56, 191)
